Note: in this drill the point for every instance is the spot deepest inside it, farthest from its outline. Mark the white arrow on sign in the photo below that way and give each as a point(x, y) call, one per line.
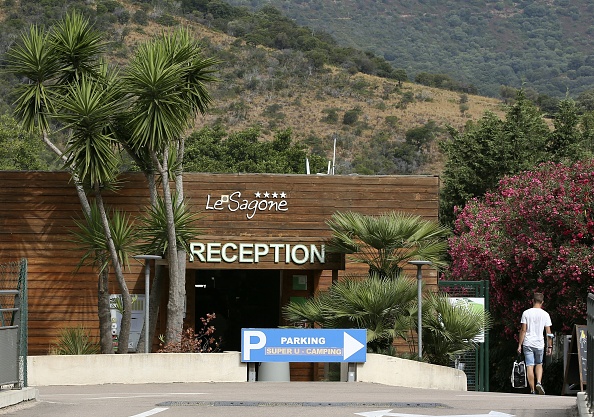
point(382, 413)
point(351, 346)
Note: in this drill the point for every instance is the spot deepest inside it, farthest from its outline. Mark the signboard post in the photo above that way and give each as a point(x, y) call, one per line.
point(303, 345)
point(576, 368)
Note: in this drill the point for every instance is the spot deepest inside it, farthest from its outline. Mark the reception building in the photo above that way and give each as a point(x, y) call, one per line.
point(262, 243)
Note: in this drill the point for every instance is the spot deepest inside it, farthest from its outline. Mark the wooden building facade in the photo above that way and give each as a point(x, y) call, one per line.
point(261, 243)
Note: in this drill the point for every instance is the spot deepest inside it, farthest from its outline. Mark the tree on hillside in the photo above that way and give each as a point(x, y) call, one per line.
point(535, 232)
point(572, 139)
point(213, 150)
point(485, 151)
point(492, 148)
point(19, 149)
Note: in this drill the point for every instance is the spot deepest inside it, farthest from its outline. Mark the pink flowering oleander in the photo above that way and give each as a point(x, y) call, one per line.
point(534, 232)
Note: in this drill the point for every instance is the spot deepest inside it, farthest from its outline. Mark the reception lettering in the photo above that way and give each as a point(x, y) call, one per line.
point(231, 252)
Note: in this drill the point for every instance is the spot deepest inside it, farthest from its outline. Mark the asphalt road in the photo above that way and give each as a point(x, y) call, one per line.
point(303, 399)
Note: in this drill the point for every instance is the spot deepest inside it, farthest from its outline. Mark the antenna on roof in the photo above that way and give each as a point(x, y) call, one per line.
point(333, 156)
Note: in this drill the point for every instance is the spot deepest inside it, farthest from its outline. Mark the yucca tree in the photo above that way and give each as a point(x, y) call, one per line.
point(90, 236)
point(450, 329)
point(164, 91)
point(381, 305)
point(47, 62)
point(88, 109)
point(386, 242)
point(64, 81)
point(153, 233)
point(166, 81)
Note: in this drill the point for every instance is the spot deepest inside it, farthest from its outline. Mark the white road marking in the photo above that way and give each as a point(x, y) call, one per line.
point(382, 413)
point(115, 397)
point(154, 394)
point(150, 412)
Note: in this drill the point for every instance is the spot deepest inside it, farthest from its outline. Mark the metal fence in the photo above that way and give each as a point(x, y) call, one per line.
point(475, 364)
point(13, 324)
point(590, 353)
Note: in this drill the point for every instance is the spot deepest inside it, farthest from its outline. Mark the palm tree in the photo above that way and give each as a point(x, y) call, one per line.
point(153, 232)
point(90, 235)
point(450, 329)
point(166, 81)
point(388, 241)
point(47, 62)
point(63, 81)
point(87, 110)
point(384, 306)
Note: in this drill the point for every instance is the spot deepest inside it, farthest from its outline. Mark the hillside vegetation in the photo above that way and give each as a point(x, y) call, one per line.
point(545, 45)
point(380, 125)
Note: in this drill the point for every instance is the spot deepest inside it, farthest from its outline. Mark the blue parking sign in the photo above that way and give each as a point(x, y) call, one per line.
point(303, 345)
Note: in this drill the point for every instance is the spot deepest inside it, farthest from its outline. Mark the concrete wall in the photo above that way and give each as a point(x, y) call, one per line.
point(217, 367)
point(389, 370)
point(135, 368)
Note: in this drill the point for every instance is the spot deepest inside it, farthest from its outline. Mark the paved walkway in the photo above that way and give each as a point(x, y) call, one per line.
point(303, 399)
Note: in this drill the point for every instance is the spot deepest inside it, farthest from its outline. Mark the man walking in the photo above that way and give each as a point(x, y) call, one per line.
point(534, 322)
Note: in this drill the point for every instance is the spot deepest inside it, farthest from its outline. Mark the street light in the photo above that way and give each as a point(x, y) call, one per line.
point(147, 274)
point(419, 265)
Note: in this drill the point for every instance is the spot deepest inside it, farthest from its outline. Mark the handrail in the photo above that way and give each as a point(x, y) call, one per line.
point(590, 353)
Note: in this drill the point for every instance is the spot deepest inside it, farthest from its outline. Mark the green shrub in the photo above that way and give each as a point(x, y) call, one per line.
point(351, 117)
point(74, 341)
point(166, 20)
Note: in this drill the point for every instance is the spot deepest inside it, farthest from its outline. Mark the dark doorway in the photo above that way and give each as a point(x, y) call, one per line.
point(239, 298)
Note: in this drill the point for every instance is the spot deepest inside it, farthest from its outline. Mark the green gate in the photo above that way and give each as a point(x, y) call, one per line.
point(13, 323)
point(475, 363)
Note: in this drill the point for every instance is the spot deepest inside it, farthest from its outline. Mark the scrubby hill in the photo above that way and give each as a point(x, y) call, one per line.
point(541, 44)
point(380, 125)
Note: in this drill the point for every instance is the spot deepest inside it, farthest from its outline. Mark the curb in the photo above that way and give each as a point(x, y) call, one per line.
point(16, 396)
point(582, 405)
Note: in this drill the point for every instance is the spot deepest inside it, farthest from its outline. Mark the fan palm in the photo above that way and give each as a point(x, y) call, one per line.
point(376, 304)
point(387, 241)
point(450, 329)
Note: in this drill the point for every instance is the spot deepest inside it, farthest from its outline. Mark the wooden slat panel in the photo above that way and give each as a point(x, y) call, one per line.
point(37, 212)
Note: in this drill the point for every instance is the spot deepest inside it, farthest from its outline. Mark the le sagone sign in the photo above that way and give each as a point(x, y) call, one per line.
point(275, 251)
point(274, 202)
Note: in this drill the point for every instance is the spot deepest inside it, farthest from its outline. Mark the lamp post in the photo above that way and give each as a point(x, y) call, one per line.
point(147, 275)
point(419, 265)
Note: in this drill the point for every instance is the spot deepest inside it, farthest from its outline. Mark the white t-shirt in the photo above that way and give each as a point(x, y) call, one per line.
point(536, 319)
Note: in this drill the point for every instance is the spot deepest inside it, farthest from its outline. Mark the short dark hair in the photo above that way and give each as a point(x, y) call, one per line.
point(538, 297)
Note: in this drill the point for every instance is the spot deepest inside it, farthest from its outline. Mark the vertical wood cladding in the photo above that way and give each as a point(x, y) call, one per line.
point(38, 209)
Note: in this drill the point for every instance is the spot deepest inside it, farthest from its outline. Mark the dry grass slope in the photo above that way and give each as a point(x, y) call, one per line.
point(267, 88)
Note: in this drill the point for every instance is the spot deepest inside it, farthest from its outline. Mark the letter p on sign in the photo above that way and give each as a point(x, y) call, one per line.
point(259, 342)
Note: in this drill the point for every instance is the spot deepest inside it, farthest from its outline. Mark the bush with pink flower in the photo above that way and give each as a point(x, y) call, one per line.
point(535, 232)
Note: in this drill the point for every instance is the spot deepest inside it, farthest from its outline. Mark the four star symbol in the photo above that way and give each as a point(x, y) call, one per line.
point(266, 194)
